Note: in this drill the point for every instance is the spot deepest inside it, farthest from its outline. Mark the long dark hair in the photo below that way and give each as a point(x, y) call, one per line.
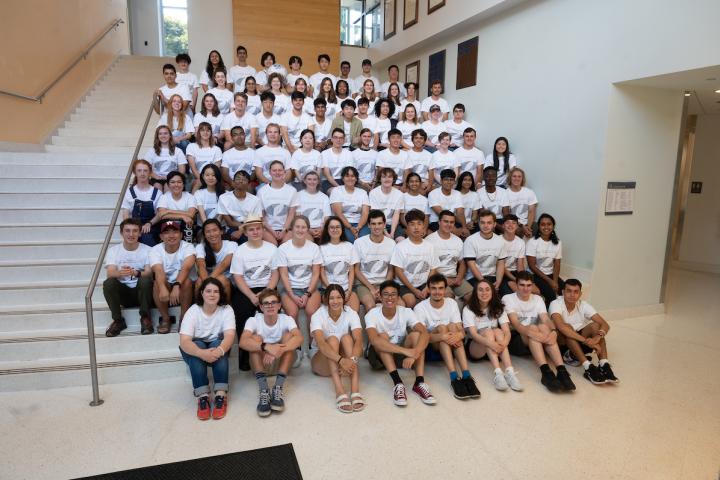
point(325, 235)
point(553, 236)
point(208, 281)
point(210, 69)
point(330, 98)
point(495, 306)
point(157, 146)
point(506, 160)
point(462, 177)
point(219, 188)
point(210, 259)
point(215, 111)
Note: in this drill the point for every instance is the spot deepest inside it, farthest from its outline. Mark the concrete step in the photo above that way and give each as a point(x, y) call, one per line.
point(95, 149)
point(66, 171)
point(45, 158)
point(100, 131)
point(56, 215)
point(46, 250)
point(66, 232)
point(49, 272)
point(48, 292)
point(60, 185)
point(115, 141)
point(58, 200)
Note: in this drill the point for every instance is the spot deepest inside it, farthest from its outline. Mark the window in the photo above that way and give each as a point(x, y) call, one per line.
point(174, 27)
point(360, 22)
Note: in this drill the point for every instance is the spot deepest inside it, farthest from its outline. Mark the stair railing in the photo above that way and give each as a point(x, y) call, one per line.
point(98, 264)
point(39, 97)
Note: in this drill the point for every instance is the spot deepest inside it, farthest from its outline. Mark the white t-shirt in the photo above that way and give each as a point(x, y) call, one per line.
point(545, 253)
point(447, 202)
point(255, 265)
point(484, 252)
point(204, 156)
point(415, 202)
point(433, 130)
point(442, 161)
point(456, 131)
point(449, 252)
point(469, 159)
point(520, 202)
point(337, 261)
point(208, 201)
point(315, 206)
point(238, 74)
point(382, 127)
point(262, 123)
point(165, 162)
point(419, 162)
point(360, 82)
point(270, 333)
point(352, 203)
point(216, 122)
point(234, 160)
point(364, 161)
point(389, 203)
point(369, 122)
point(276, 204)
point(470, 202)
point(336, 162)
point(254, 105)
point(352, 88)
point(171, 262)
point(395, 327)
point(481, 322)
point(264, 156)
point(295, 125)
point(502, 173)
point(374, 258)
point(386, 86)
point(290, 78)
point(440, 102)
point(515, 251)
point(348, 321)
point(416, 103)
point(188, 126)
point(316, 79)
point(247, 122)
point(190, 80)
point(282, 104)
point(197, 324)
point(303, 162)
point(180, 88)
point(433, 317)
point(136, 259)
point(229, 204)
point(185, 203)
point(299, 262)
point(579, 318)
point(416, 261)
point(396, 161)
point(494, 201)
point(322, 129)
point(407, 128)
point(227, 248)
point(225, 99)
point(528, 311)
point(143, 195)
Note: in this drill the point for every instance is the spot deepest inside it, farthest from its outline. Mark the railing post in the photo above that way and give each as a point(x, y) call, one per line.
point(96, 400)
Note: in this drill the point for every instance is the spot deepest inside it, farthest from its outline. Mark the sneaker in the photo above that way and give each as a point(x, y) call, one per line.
point(570, 360)
point(203, 411)
point(513, 381)
point(115, 328)
point(399, 396)
point(459, 389)
point(146, 325)
point(471, 387)
point(276, 401)
point(219, 407)
point(298, 358)
point(423, 391)
point(609, 374)
point(263, 406)
point(594, 375)
point(164, 326)
point(550, 381)
point(500, 382)
point(564, 377)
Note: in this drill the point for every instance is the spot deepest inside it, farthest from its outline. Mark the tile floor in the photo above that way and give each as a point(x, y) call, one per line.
point(661, 422)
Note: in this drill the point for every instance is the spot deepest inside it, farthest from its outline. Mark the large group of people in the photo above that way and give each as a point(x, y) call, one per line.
point(271, 194)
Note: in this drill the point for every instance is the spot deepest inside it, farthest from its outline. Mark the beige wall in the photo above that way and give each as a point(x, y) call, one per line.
point(39, 38)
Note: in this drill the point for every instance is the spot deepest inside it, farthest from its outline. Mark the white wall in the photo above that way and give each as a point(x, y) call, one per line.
point(700, 242)
point(354, 55)
point(145, 27)
point(210, 27)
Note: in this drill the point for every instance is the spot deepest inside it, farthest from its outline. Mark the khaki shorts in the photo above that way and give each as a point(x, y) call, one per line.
point(463, 289)
point(361, 290)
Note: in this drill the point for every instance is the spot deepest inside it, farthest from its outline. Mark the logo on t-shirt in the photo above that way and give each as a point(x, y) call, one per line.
point(418, 268)
point(260, 271)
point(300, 271)
point(486, 261)
point(375, 266)
point(351, 209)
point(520, 210)
point(341, 267)
point(315, 215)
point(278, 210)
point(448, 259)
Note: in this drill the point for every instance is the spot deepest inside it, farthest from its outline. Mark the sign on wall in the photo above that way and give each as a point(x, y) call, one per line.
point(436, 69)
point(467, 63)
point(620, 198)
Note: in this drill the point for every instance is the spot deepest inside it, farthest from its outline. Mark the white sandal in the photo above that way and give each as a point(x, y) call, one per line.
point(358, 402)
point(341, 402)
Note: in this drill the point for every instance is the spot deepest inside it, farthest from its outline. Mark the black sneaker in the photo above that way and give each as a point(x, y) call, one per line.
point(277, 404)
point(550, 381)
point(471, 387)
point(115, 328)
point(609, 374)
point(564, 378)
point(459, 390)
point(263, 408)
point(594, 375)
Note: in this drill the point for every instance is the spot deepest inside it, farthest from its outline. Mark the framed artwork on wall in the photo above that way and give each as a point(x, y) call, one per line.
point(436, 69)
point(467, 63)
point(412, 73)
point(434, 5)
point(388, 18)
point(410, 13)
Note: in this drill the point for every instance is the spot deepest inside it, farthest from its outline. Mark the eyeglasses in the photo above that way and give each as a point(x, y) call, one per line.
point(270, 304)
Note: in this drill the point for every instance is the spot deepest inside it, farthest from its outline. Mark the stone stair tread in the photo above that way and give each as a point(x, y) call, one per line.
point(104, 360)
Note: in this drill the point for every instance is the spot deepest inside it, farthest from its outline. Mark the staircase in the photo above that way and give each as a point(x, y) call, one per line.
point(55, 207)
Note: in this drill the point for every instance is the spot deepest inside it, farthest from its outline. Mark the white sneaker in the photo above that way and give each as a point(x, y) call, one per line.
point(499, 382)
point(513, 381)
point(298, 358)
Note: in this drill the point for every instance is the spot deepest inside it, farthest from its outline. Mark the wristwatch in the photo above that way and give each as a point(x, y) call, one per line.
point(262, 347)
point(354, 359)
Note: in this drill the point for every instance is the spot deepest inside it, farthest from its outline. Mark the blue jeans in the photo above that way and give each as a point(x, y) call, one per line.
point(363, 231)
point(198, 368)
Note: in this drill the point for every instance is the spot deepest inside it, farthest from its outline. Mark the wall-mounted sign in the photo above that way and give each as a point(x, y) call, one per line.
point(620, 199)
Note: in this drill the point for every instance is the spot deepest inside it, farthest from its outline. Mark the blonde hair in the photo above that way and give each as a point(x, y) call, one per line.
point(513, 170)
point(171, 113)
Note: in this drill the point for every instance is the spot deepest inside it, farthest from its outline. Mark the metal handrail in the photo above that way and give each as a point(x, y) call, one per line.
point(98, 264)
point(82, 56)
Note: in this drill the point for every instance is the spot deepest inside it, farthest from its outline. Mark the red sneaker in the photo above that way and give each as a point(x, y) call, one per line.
point(203, 411)
point(399, 397)
point(423, 391)
point(220, 407)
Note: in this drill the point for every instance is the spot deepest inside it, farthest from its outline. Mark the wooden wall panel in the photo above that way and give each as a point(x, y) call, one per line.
point(286, 27)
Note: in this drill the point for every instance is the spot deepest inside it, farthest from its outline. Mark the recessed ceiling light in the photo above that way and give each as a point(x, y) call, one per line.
point(687, 94)
point(711, 79)
point(717, 91)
